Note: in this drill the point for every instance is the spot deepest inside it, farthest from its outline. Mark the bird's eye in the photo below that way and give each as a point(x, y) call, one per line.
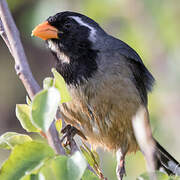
point(50, 19)
point(67, 25)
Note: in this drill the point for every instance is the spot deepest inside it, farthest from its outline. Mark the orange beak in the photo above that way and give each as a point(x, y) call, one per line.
point(45, 31)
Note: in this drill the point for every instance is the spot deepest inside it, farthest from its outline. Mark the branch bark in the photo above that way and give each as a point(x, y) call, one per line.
point(10, 35)
point(14, 44)
point(4, 36)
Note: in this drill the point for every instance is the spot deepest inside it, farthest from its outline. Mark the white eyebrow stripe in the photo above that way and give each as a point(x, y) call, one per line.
point(92, 35)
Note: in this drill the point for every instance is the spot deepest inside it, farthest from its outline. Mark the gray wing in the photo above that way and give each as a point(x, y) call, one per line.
point(142, 78)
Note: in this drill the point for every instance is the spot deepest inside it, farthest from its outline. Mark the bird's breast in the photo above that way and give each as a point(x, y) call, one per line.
point(103, 109)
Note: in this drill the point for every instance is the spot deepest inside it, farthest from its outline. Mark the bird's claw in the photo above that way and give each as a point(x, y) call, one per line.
point(121, 171)
point(69, 133)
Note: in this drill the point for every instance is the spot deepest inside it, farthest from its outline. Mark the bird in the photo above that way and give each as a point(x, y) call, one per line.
point(107, 81)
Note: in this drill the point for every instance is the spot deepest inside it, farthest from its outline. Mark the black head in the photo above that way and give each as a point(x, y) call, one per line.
point(73, 44)
point(75, 26)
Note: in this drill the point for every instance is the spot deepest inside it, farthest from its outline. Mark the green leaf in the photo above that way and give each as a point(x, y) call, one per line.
point(55, 169)
point(76, 166)
point(96, 156)
point(44, 107)
point(92, 157)
point(48, 82)
point(28, 101)
point(23, 115)
point(174, 178)
point(60, 84)
point(58, 125)
point(88, 175)
point(88, 156)
point(64, 168)
point(24, 159)
point(31, 177)
point(160, 176)
point(10, 139)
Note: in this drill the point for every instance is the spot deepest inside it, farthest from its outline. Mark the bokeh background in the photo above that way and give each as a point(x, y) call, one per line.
point(151, 27)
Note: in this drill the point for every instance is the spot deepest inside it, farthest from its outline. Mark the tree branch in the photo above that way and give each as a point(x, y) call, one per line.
point(4, 36)
point(10, 35)
point(16, 48)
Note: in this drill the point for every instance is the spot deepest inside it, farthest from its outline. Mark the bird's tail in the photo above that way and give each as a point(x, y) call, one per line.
point(165, 162)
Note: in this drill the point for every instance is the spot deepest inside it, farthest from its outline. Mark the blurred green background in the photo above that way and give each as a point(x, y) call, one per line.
point(150, 27)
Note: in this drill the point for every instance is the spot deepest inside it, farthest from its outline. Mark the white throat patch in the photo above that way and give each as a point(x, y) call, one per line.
point(92, 36)
point(54, 47)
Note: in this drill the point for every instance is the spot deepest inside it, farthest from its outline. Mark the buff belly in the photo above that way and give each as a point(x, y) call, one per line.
point(104, 118)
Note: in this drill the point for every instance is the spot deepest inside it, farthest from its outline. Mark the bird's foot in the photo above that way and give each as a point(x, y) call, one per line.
point(69, 133)
point(120, 170)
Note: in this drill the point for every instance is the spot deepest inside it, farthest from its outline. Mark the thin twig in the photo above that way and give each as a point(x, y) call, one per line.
point(145, 139)
point(54, 141)
point(10, 34)
point(4, 36)
point(21, 65)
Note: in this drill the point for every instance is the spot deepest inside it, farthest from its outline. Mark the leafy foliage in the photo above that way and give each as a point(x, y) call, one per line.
point(59, 83)
point(37, 115)
point(25, 158)
point(23, 113)
point(33, 160)
point(159, 175)
point(58, 125)
point(88, 175)
point(10, 139)
point(44, 107)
